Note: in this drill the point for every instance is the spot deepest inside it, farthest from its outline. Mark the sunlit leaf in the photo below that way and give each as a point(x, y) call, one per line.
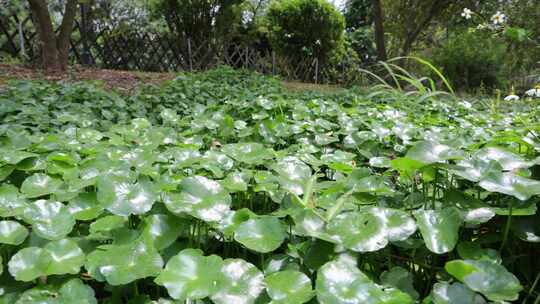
point(445, 293)
point(200, 197)
point(339, 282)
point(371, 229)
point(439, 228)
point(29, 263)
point(511, 184)
point(121, 197)
point(12, 233)
point(190, 275)
point(249, 153)
point(428, 152)
point(289, 287)
point(50, 220)
point(242, 283)
point(11, 204)
point(163, 229)
point(262, 235)
point(66, 257)
point(40, 184)
point(486, 277)
point(122, 264)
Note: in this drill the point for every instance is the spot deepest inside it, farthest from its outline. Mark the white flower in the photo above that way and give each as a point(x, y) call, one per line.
point(288, 35)
point(511, 98)
point(498, 18)
point(465, 104)
point(533, 93)
point(318, 42)
point(467, 13)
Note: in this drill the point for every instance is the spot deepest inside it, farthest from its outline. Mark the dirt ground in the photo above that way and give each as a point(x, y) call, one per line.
point(124, 81)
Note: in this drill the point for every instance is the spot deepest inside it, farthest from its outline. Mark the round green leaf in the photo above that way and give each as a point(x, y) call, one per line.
point(66, 257)
point(11, 204)
point(119, 265)
point(13, 157)
point(401, 279)
point(340, 282)
point(445, 293)
point(289, 286)
point(237, 181)
point(294, 174)
point(508, 160)
point(108, 223)
point(164, 229)
point(121, 197)
point(249, 153)
point(242, 283)
point(439, 228)
point(5, 171)
point(475, 169)
point(12, 233)
point(370, 229)
point(262, 235)
point(511, 184)
point(200, 197)
point(473, 251)
point(41, 295)
point(358, 231)
point(190, 275)
point(428, 152)
point(40, 184)
point(50, 220)
point(476, 216)
point(85, 207)
point(486, 277)
point(74, 291)
point(399, 224)
point(29, 263)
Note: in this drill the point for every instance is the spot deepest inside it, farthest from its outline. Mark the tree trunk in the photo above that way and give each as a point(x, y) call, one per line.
point(415, 30)
point(47, 38)
point(379, 30)
point(64, 34)
point(54, 49)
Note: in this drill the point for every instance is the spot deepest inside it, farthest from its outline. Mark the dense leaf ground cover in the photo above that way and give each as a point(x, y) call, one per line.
point(223, 188)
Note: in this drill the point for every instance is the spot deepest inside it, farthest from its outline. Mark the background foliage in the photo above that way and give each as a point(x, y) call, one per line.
point(301, 27)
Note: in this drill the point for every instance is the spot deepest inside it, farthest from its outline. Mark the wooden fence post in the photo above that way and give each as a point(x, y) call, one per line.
point(273, 63)
point(246, 65)
point(316, 70)
point(83, 28)
point(21, 39)
point(190, 55)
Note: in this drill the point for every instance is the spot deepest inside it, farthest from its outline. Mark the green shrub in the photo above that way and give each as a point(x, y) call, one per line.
point(300, 28)
point(471, 60)
point(361, 41)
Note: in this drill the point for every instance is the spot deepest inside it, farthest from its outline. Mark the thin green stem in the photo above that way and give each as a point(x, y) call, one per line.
point(531, 290)
point(507, 227)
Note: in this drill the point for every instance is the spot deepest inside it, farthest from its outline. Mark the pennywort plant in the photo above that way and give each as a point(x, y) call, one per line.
point(221, 187)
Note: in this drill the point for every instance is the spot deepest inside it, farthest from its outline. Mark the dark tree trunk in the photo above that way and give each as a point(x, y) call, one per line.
point(379, 30)
point(54, 49)
point(47, 38)
point(64, 34)
point(414, 31)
